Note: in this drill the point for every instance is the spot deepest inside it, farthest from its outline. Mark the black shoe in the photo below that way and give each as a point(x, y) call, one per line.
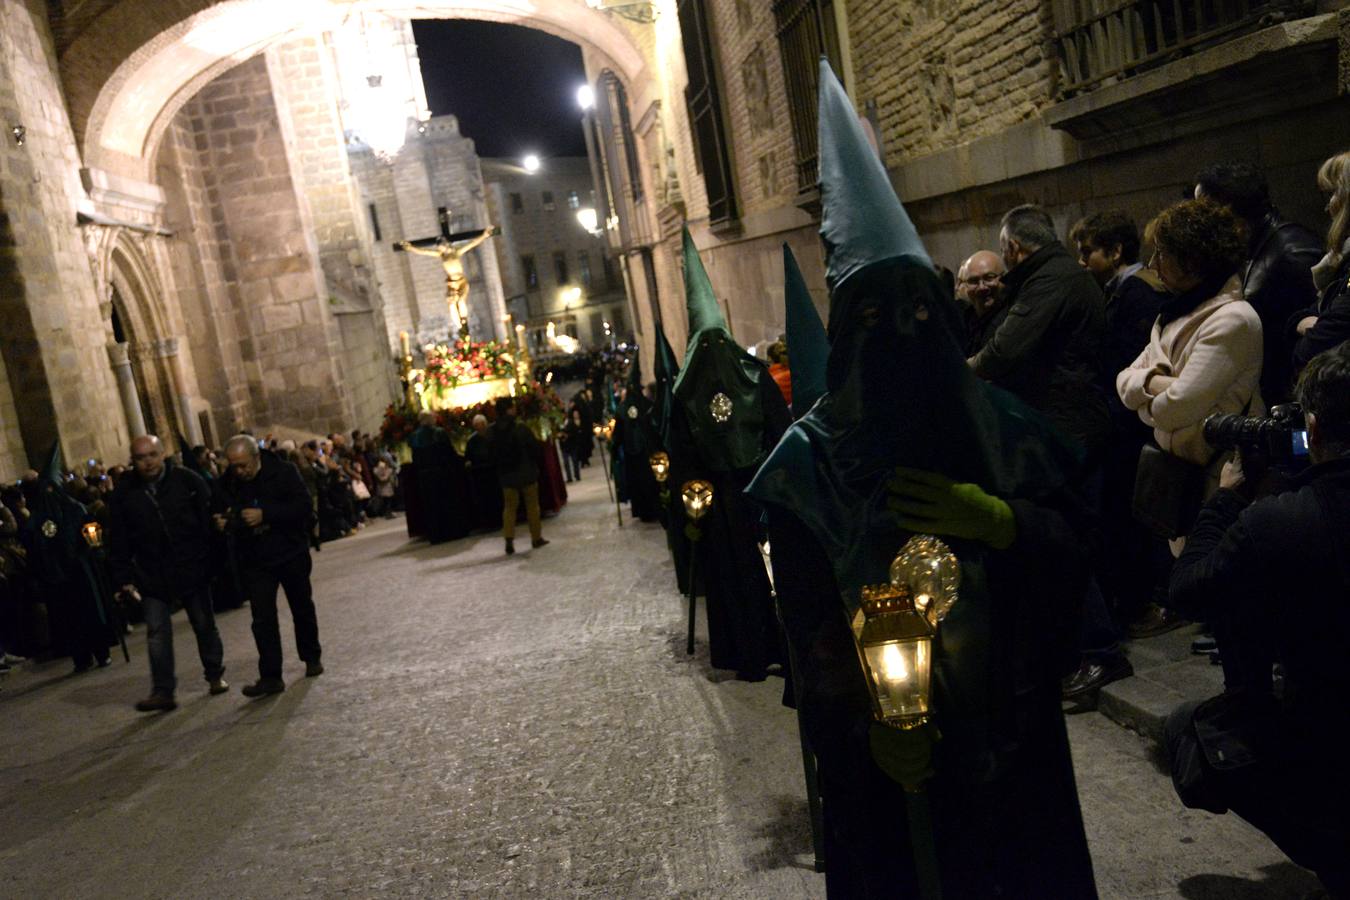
point(1092, 676)
point(264, 686)
point(157, 703)
point(510, 546)
point(1155, 621)
point(539, 543)
point(313, 669)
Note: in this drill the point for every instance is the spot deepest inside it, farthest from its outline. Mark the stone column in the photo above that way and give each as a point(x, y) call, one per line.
point(167, 350)
point(126, 387)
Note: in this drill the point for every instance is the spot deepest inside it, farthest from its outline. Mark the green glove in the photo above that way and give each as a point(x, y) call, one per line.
point(930, 503)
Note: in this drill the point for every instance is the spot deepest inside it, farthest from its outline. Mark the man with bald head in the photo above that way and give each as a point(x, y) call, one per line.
point(264, 502)
point(979, 285)
point(159, 546)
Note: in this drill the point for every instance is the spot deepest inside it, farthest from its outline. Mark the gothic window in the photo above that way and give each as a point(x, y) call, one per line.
point(806, 29)
point(703, 97)
point(584, 267)
point(375, 221)
point(531, 272)
point(517, 204)
point(560, 267)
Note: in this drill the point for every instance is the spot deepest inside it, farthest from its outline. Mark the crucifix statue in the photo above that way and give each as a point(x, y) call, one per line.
point(450, 249)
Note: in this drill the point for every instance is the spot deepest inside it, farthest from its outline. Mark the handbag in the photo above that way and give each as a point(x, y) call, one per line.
point(1168, 491)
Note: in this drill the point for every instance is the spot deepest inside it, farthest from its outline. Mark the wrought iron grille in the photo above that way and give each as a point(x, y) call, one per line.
point(1101, 41)
point(806, 29)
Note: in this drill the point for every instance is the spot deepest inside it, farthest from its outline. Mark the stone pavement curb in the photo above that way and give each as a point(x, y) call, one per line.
point(1166, 674)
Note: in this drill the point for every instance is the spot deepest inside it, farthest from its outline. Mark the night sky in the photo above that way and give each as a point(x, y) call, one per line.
point(514, 89)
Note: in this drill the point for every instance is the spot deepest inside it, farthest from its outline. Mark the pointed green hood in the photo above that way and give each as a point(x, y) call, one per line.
point(808, 347)
point(54, 471)
point(862, 222)
point(704, 313)
point(665, 369)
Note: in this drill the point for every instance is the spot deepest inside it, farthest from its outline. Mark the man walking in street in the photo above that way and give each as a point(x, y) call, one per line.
point(159, 546)
point(269, 512)
point(513, 453)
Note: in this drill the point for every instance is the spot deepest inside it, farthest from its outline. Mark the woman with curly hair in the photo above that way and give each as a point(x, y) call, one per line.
point(1204, 352)
point(1327, 324)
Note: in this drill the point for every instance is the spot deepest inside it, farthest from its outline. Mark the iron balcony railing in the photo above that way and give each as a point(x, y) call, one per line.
point(1102, 41)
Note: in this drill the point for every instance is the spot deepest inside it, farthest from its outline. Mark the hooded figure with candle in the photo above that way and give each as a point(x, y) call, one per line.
point(728, 414)
point(906, 441)
point(635, 440)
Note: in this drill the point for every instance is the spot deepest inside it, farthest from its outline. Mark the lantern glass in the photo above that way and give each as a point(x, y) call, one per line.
point(928, 569)
point(660, 463)
point(93, 534)
point(698, 498)
point(901, 671)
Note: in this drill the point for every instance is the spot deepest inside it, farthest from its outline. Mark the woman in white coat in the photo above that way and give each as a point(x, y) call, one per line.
point(1204, 353)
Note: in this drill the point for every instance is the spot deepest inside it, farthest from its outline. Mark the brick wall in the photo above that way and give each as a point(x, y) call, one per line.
point(53, 347)
point(944, 72)
point(755, 100)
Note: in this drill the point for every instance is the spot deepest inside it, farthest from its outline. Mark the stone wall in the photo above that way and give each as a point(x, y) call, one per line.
point(307, 100)
point(53, 348)
point(266, 254)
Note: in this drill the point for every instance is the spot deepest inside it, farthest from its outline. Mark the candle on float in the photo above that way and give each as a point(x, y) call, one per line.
point(403, 339)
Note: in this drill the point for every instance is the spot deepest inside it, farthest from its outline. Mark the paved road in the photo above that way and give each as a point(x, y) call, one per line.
point(489, 727)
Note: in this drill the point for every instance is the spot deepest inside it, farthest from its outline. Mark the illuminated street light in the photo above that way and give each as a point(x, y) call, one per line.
point(531, 163)
point(585, 96)
point(589, 220)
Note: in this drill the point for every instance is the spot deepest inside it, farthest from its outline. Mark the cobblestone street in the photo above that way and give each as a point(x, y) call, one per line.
point(489, 727)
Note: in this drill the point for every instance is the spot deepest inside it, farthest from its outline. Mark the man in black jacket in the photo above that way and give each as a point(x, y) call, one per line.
point(1046, 348)
point(159, 546)
point(1277, 279)
point(269, 511)
point(1273, 579)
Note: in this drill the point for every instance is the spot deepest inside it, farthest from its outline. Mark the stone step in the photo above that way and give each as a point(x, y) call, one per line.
point(1166, 674)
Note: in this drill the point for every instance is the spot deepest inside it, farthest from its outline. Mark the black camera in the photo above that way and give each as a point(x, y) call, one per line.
point(1279, 439)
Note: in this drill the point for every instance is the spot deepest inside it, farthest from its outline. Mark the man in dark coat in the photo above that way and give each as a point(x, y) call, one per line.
point(1046, 349)
point(1277, 280)
point(1271, 577)
point(728, 415)
point(268, 509)
point(484, 490)
point(159, 545)
point(515, 456)
point(1005, 820)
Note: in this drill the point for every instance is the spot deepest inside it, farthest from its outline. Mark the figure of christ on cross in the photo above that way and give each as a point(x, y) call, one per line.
point(450, 249)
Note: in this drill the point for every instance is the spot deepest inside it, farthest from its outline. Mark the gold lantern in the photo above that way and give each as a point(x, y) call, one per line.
point(93, 534)
point(894, 628)
point(698, 498)
point(660, 463)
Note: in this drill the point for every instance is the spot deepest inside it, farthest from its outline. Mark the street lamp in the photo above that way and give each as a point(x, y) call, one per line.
point(585, 96)
point(589, 220)
point(531, 163)
point(697, 496)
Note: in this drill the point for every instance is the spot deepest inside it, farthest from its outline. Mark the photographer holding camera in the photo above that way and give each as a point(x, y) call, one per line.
point(1272, 573)
point(269, 512)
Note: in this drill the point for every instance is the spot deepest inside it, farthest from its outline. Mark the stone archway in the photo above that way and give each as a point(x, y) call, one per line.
point(129, 72)
point(142, 351)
